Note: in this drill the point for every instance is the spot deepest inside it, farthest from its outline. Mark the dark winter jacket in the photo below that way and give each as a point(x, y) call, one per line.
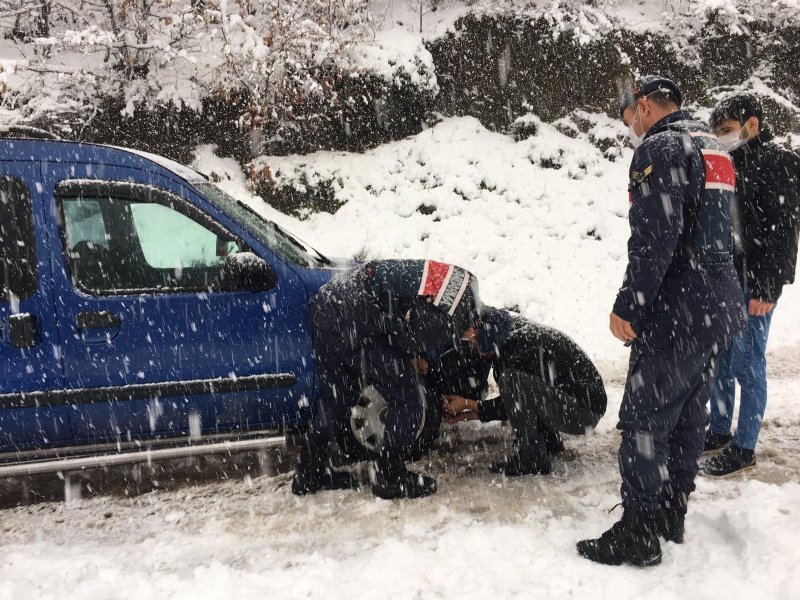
point(393, 303)
point(680, 287)
point(513, 342)
point(768, 216)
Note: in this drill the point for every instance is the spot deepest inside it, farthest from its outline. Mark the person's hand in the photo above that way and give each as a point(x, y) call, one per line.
point(457, 409)
point(420, 364)
point(759, 308)
point(621, 329)
point(464, 416)
point(453, 405)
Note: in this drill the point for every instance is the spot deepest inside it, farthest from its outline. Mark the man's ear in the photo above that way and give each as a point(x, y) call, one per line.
point(646, 111)
point(753, 126)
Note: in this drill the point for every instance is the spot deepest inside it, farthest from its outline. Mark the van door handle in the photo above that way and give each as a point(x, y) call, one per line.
point(101, 319)
point(22, 331)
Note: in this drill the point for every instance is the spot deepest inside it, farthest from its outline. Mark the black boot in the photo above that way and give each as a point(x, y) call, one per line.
point(633, 540)
point(672, 514)
point(532, 458)
point(552, 441)
point(523, 463)
point(716, 441)
point(312, 475)
point(730, 461)
point(393, 480)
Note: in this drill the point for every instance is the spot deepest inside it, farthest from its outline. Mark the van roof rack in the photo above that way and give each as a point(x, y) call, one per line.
point(25, 131)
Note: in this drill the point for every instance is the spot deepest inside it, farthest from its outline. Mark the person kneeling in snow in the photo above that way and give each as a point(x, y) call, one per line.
point(547, 385)
point(373, 327)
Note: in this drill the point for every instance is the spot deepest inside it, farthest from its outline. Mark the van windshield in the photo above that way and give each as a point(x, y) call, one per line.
point(282, 242)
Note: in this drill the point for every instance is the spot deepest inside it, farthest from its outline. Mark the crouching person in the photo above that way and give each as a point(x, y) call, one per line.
point(547, 385)
point(373, 327)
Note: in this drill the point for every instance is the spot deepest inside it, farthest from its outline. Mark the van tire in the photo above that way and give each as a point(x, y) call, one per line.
point(354, 450)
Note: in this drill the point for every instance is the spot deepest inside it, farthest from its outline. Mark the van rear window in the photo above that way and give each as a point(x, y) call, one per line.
point(17, 242)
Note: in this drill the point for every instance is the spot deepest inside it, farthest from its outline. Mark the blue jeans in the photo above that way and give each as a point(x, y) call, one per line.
point(744, 361)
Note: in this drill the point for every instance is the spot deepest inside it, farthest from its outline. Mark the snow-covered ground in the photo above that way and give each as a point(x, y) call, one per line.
point(547, 240)
point(481, 536)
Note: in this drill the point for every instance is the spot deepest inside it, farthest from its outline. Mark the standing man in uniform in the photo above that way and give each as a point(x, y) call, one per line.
point(679, 303)
point(374, 327)
point(768, 210)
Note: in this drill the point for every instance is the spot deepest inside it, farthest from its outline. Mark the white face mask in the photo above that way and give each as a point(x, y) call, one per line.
point(733, 140)
point(636, 139)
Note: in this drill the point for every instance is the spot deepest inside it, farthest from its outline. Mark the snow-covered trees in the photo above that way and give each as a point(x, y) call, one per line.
point(257, 75)
point(285, 76)
point(61, 55)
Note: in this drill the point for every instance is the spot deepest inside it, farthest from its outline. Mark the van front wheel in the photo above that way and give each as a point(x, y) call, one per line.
point(367, 427)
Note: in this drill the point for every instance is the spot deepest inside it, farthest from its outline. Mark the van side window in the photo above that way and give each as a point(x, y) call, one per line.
point(84, 222)
point(17, 241)
point(171, 240)
point(118, 245)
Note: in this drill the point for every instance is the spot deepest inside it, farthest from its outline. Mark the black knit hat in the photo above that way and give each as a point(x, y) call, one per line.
point(644, 86)
point(451, 289)
point(739, 107)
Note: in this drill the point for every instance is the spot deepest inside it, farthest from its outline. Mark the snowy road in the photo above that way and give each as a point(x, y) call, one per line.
point(481, 536)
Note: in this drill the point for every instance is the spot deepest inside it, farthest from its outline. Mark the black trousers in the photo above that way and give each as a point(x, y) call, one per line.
point(345, 372)
point(533, 406)
point(663, 417)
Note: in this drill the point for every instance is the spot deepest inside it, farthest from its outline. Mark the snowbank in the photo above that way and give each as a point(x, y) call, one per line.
point(398, 57)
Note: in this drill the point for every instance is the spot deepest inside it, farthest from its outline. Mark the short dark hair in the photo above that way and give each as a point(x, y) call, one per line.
point(664, 99)
point(739, 106)
point(650, 87)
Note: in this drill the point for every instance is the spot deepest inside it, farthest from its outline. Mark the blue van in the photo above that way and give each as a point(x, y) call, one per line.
point(140, 302)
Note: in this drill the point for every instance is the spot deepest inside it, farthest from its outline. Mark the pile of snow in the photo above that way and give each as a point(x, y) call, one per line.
point(396, 56)
point(541, 222)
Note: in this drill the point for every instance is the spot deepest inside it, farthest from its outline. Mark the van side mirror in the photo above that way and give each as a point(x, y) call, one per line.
point(246, 271)
point(225, 246)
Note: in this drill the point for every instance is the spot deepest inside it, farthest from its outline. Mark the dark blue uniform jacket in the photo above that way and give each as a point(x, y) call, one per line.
point(368, 324)
point(680, 287)
point(353, 313)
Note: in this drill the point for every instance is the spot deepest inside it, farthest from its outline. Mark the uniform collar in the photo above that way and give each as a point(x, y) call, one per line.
point(665, 122)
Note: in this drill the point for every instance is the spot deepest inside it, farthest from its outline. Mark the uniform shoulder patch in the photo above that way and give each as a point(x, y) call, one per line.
point(640, 176)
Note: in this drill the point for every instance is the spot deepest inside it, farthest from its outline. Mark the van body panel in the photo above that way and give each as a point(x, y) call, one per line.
point(141, 334)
